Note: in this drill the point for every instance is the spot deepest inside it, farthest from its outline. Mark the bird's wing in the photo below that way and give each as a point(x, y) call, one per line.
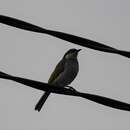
point(58, 70)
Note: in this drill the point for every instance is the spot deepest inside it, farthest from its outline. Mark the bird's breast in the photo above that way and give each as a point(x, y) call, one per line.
point(71, 69)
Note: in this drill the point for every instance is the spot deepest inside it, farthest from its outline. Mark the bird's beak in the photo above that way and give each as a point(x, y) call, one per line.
point(79, 50)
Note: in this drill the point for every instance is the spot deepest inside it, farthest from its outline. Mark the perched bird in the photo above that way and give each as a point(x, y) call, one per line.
point(64, 73)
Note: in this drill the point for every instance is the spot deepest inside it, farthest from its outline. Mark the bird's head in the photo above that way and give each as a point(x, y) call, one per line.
point(72, 53)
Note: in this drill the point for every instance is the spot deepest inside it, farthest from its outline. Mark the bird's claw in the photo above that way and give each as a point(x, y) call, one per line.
point(71, 88)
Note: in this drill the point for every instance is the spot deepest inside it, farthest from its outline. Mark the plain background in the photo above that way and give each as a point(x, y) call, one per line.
point(34, 56)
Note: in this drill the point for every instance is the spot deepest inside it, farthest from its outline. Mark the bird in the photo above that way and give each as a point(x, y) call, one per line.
point(64, 73)
point(37, 85)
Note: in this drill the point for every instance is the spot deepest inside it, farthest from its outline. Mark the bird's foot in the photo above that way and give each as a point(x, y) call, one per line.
point(71, 88)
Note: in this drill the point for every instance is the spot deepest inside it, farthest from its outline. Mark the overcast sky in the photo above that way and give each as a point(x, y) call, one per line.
point(34, 56)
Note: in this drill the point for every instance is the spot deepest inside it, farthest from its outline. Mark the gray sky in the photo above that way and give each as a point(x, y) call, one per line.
point(34, 56)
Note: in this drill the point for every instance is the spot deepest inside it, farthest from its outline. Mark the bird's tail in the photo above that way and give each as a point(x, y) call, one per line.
point(42, 101)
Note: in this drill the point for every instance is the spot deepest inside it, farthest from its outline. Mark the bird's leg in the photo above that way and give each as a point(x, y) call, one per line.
point(71, 88)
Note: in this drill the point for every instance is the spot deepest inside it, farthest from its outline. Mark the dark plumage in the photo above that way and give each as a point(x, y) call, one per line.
point(64, 73)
